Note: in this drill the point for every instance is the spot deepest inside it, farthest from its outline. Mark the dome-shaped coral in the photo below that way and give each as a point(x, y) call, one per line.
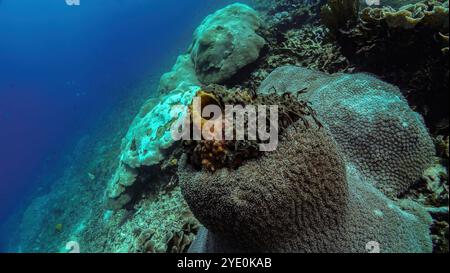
point(273, 195)
point(329, 189)
point(300, 198)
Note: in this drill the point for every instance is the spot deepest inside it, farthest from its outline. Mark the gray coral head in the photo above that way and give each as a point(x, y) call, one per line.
point(275, 202)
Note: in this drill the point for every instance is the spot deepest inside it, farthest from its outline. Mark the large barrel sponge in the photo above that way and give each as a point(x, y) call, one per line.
point(300, 198)
point(225, 42)
point(369, 119)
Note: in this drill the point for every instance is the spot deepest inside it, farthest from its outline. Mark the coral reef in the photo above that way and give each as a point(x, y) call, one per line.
point(225, 42)
point(220, 153)
point(352, 162)
point(147, 143)
point(382, 40)
point(370, 121)
point(340, 14)
point(294, 37)
point(181, 240)
point(442, 146)
point(183, 72)
point(300, 198)
point(363, 173)
point(433, 192)
point(283, 15)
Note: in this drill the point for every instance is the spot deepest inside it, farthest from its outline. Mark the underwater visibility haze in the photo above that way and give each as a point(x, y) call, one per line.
point(353, 158)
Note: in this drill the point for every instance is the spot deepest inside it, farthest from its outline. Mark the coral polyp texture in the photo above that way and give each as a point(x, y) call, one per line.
point(330, 189)
point(370, 120)
point(148, 141)
point(300, 198)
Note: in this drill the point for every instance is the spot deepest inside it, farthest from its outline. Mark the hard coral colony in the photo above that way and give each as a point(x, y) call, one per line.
point(351, 146)
point(362, 158)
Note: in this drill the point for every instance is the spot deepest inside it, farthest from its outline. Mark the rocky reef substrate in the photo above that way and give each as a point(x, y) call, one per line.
point(363, 151)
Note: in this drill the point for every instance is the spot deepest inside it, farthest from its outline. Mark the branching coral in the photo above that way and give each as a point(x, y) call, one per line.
point(312, 50)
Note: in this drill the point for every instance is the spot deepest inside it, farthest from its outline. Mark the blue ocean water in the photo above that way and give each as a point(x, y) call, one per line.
point(62, 67)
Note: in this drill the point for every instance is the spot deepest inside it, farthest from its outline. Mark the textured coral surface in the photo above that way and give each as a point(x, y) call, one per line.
point(300, 198)
point(346, 187)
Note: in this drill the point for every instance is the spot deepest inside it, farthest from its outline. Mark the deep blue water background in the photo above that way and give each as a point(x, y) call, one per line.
point(60, 66)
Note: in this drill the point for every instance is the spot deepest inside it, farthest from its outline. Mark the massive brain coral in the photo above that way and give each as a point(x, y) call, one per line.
point(225, 42)
point(329, 189)
point(369, 119)
point(300, 198)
